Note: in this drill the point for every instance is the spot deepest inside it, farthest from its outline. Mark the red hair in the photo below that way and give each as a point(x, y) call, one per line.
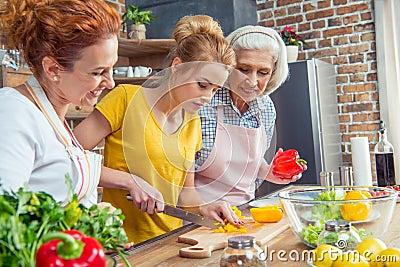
point(56, 28)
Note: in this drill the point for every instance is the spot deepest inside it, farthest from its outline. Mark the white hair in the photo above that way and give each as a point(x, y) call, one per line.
point(263, 38)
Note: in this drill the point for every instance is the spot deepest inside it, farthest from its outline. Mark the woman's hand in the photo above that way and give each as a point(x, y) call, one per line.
point(218, 211)
point(270, 177)
point(276, 180)
point(146, 197)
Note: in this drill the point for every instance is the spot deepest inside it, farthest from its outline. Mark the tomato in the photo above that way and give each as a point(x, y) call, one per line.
point(394, 187)
point(356, 211)
point(371, 247)
point(378, 193)
point(269, 213)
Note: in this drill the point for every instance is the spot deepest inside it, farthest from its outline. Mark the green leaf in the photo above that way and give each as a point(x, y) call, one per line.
point(72, 213)
point(137, 16)
point(26, 216)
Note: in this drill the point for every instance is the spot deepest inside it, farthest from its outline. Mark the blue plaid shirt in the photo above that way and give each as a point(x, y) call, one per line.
point(208, 115)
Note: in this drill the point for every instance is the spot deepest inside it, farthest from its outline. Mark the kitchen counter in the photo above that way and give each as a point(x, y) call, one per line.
point(283, 250)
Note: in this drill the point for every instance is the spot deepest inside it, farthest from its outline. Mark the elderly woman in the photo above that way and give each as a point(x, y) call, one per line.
point(238, 123)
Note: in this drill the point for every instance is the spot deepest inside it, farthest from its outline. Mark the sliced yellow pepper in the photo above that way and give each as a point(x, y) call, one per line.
point(230, 228)
point(267, 214)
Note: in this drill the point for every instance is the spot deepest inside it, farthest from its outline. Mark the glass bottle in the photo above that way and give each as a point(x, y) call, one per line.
point(339, 233)
point(384, 159)
point(242, 251)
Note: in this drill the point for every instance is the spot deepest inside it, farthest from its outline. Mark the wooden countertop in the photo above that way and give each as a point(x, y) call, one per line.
point(164, 251)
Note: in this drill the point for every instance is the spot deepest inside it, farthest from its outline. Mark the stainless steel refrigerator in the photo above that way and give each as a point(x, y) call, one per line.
point(307, 120)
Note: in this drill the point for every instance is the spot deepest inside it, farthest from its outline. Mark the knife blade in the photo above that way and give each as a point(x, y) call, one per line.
point(186, 215)
point(189, 216)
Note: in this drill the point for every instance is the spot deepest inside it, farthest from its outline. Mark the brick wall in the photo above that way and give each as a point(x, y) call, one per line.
point(119, 5)
point(340, 32)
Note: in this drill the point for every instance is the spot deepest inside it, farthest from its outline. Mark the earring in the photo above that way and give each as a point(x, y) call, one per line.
point(55, 78)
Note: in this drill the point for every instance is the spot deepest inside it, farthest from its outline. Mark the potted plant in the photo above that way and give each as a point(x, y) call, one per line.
point(138, 18)
point(292, 41)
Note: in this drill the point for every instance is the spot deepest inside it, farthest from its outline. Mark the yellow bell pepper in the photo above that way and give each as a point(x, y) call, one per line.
point(357, 211)
point(267, 214)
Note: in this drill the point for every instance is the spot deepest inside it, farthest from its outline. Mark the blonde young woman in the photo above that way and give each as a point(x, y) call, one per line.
point(60, 40)
point(153, 131)
point(238, 123)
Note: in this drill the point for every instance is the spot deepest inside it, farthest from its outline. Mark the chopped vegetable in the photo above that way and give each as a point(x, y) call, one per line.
point(393, 187)
point(230, 228)
point(311, 232)
point(326, 211)
point(323, 212)
point(287, 164)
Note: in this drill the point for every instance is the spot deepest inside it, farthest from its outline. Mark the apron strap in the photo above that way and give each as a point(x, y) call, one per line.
point(73, 138)
point(47, 109)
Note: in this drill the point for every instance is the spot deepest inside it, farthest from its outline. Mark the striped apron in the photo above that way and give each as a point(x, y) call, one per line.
point(86, 165)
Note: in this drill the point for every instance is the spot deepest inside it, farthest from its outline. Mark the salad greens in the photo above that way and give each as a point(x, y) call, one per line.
point(326, 211)
point(25, 217)
point(310, 233)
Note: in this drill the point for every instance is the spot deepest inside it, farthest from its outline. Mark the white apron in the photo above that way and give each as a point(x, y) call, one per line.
point(86, 165)
point(230, 171)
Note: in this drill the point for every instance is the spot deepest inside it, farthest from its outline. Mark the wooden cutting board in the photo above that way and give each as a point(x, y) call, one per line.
point(204, 240)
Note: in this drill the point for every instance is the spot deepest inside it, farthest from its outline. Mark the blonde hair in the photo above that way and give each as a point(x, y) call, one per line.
point(263, 38)
point(200, 38)
point(60, 29)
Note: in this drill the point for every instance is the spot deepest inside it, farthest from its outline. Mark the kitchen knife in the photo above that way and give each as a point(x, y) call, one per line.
point(189, 216)
point(186, 215)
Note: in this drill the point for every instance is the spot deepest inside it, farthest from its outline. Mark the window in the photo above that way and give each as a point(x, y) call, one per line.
point(387, 27)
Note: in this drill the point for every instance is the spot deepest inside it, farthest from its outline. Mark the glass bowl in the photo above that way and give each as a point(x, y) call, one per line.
point(309, 207)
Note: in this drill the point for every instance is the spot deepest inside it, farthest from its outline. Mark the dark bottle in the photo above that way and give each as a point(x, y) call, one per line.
point(384, 160)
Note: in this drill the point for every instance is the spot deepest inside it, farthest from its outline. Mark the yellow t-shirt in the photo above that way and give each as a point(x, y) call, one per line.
point(138, 145)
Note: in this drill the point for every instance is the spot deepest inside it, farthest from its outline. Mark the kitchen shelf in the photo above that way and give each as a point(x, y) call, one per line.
point(12, 78)
point(146, 47)
point(77, 112)
point(147, 52)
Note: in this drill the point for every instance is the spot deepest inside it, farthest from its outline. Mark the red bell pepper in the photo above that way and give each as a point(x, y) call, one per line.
point(287, 164)
point(70, 249)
